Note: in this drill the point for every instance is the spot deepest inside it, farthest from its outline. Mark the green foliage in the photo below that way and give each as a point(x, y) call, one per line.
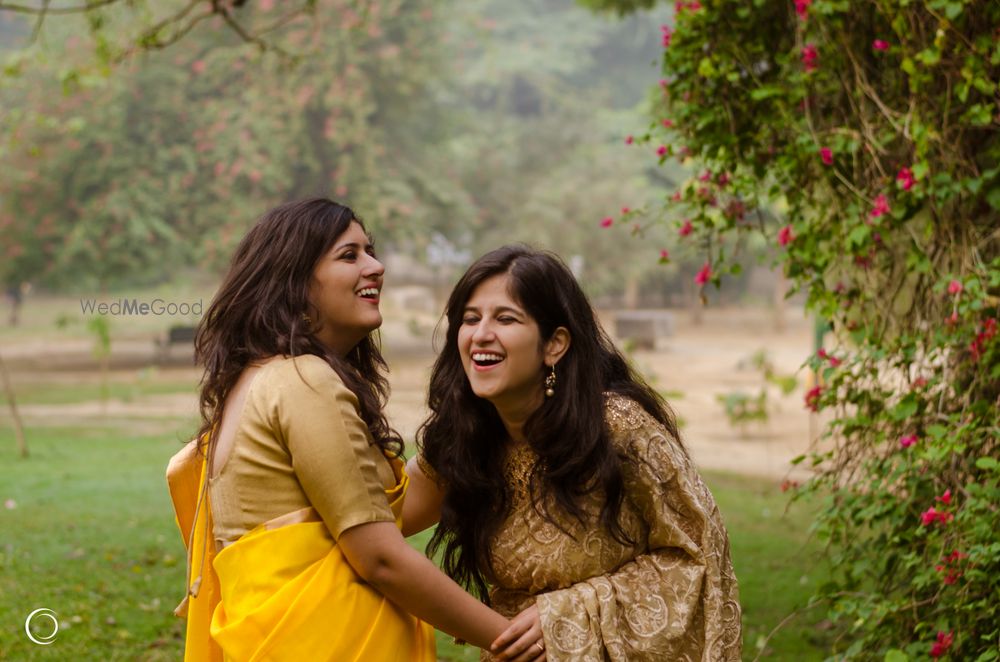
point(126, 173)
point(742, 408)
point(871, 132)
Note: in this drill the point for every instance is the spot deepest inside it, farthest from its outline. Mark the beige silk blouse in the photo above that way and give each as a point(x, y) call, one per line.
point(300, 442)
point(671, 596)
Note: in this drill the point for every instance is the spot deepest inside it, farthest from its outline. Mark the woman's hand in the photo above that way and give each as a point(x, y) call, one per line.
point(522, 641)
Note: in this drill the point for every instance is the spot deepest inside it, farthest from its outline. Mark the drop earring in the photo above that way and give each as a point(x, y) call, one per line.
point(550, 383)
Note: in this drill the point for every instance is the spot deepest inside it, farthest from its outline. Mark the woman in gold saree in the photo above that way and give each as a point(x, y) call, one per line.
point(290, 502)
point(565, 497)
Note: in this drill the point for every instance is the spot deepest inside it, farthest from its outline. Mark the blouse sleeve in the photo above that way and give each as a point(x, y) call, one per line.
point(318, 423)
point(676, 601)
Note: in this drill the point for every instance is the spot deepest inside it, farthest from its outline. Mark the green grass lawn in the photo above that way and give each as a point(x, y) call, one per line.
point(91, 536)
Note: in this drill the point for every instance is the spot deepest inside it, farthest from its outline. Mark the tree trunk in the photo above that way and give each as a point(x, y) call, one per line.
point(22, 444)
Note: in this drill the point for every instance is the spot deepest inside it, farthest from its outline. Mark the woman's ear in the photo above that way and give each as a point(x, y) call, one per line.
point(557, 345)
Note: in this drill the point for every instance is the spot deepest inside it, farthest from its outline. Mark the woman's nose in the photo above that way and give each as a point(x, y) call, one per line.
point(373, 267)
point(483, 332)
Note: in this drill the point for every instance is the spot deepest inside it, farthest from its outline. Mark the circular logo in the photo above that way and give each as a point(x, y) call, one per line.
point(35, 637)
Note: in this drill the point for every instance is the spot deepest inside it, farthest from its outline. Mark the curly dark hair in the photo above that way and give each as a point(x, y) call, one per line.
point(463, 440)
point(258, 313)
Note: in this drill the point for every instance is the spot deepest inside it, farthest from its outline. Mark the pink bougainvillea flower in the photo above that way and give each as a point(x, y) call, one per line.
point(198, 66)
point(952, 319)
point(880, 45)
point(686, 228)
point(704, 275)
point(625, 210)
point(664, 255)
point(955, 287)
point(943, 643)
point(944, 498)
point(667, 123)
point(812, 398)
point(607, 222)
point(929, 516)
point(880, 207)
point(834, 361)
point(629, 139)
point(788, 484)
point(826, 154)
point(664, 83)
point(676, 197)
point(705, 176)
point(667, 34)
point(722, 179)
point(661, 150)
point(785, 236)
point(908, 440)
point(802, 8)
point(905, 179)
point(694, 5)
point(810, 57)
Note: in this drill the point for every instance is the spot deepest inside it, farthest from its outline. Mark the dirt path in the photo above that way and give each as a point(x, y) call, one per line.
point(698, 361)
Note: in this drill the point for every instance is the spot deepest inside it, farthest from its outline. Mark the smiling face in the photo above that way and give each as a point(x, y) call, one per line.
point(344, 291)
point(501, 348)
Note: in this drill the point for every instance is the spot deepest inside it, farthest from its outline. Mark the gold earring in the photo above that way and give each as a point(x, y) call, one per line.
point(306, 318)
point(550, 383)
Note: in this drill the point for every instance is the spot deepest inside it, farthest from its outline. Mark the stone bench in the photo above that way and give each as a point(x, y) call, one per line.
point(644, 327)
point(176, 335)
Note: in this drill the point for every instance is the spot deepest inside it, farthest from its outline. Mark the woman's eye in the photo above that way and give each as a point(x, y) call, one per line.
point(349, 255)
point(505, 319)
point(469, 320)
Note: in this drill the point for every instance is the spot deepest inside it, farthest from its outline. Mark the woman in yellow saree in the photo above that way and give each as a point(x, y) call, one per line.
point(290, 501)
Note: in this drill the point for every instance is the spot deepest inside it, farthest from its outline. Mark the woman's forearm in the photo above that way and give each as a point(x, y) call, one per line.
point(380, 555)
point(414, 583)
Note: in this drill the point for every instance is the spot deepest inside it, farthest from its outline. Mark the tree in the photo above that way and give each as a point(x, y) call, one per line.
point(872, 129)
point(122, 178)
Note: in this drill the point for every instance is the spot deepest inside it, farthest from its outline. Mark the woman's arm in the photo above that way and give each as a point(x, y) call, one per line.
point(380, 555)
point(422, 507)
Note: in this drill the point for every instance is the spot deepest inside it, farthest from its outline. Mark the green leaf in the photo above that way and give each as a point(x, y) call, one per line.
point(988, 464)
point(896, 655)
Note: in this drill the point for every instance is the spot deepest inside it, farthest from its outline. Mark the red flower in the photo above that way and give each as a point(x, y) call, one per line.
point(705, 176)
point(664, 83)
point(826, 154)
point(785, 236)
point(881, 206)
point(629, 139)
point(704, 275)
point(908, 440)
point(198, 66)
point(905, 179)
point(722, 179)
point(664, 256)
point(789, 485)
point(686, 228)
point(667, 34)
point(943, 643)
point(661, 150)
point(932, 515)
point(955, 287)
point(607, 221)
point(812, 397)
point(944, 498)
point(880, 45)
point(802, 8)
point(676, 197)
point(625, 210)
point(668, 123)
point(694, 5)
point(810, 57)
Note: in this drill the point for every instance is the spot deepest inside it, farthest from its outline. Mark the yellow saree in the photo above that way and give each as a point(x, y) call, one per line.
point(302, 600)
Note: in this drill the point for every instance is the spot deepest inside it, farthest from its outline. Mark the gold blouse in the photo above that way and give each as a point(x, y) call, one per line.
point(300, 442)
point(670, 596)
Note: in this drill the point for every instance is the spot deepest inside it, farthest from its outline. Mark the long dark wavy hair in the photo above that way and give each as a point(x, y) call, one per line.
point(258, 313)
point(464, 440)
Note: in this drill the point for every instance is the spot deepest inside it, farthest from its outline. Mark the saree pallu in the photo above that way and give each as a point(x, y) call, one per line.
point(284, 591)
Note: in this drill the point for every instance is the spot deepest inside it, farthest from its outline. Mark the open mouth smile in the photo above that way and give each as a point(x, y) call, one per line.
point(369, 294)
point(486, 360)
